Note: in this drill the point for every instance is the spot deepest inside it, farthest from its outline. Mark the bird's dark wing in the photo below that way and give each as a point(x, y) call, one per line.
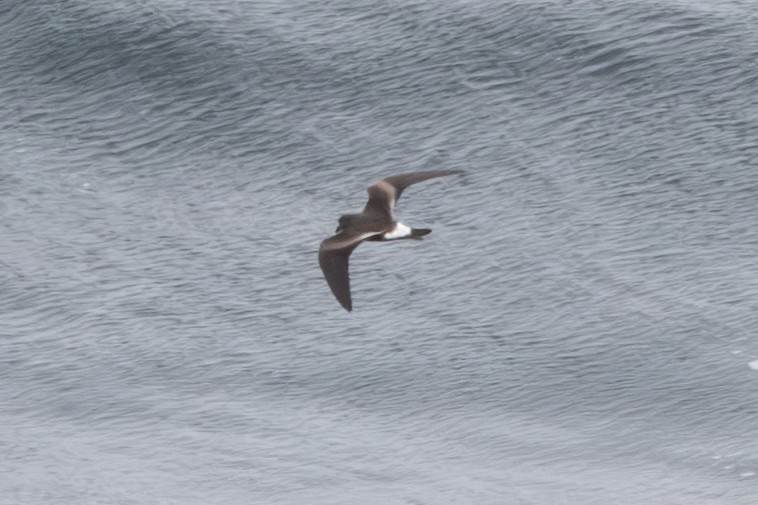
point(383, 195)
point(333, 258)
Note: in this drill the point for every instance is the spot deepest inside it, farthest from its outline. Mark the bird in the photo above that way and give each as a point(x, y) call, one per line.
point(375, 223)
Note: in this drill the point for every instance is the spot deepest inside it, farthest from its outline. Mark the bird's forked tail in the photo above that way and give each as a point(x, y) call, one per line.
point(419, 232)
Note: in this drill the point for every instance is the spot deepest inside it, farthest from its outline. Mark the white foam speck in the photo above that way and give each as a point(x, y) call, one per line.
point(753, 364)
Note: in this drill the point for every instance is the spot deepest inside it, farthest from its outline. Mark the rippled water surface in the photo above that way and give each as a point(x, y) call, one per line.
point(579, 328)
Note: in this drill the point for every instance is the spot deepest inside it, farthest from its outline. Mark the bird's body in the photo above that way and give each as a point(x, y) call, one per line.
point(375, 223)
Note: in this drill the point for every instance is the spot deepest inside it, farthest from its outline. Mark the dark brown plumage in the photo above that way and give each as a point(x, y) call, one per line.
point(375, 223)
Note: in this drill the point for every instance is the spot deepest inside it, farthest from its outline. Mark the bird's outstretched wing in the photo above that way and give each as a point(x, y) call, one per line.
point(383, 195)
point(333, 256)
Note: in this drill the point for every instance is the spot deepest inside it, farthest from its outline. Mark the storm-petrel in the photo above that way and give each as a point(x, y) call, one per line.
point(375, 223)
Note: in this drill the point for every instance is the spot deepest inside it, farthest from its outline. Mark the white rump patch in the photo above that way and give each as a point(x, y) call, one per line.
point(399, 231)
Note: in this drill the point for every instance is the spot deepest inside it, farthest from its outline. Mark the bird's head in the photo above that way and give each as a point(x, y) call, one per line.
point(344, 222)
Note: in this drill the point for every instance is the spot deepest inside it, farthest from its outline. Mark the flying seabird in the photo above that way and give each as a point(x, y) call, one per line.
point(375, 223)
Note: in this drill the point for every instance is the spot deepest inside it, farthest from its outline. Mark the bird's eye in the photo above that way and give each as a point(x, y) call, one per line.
point(339, 229)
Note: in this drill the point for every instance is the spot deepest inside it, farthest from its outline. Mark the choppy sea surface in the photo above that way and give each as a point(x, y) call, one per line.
point(580, 328)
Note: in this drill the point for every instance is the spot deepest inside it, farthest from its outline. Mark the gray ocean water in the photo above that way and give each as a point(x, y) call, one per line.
point(578, 329)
